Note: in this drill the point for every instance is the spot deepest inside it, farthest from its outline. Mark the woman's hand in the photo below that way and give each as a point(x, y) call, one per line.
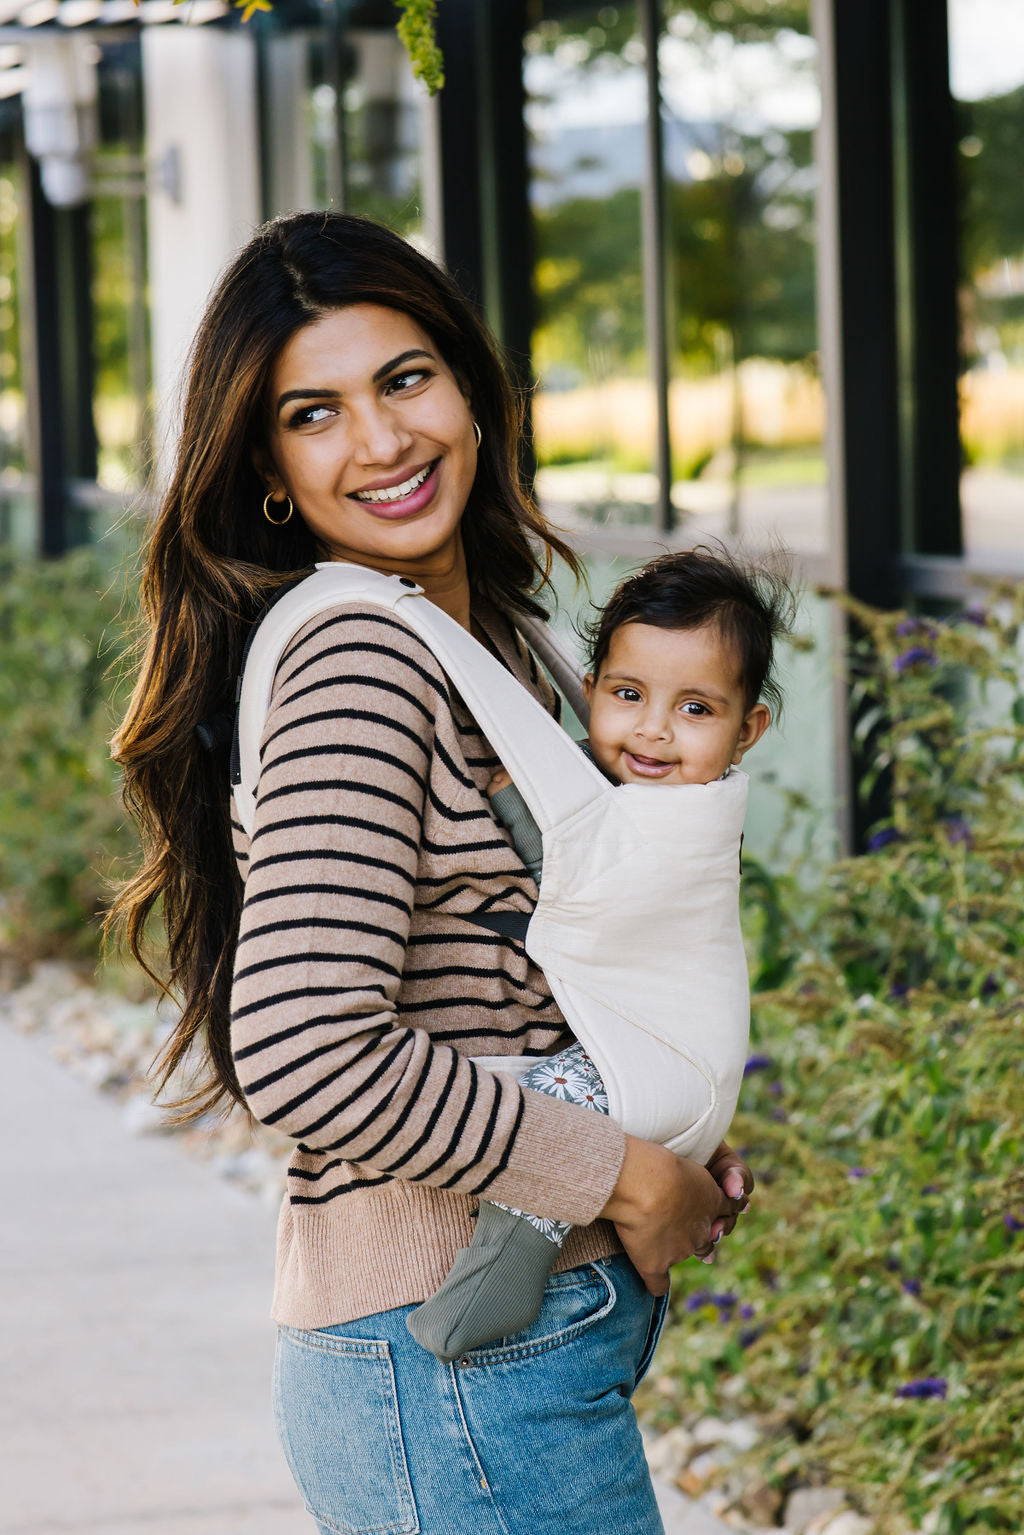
point(665, 1207)
point(735, 1179)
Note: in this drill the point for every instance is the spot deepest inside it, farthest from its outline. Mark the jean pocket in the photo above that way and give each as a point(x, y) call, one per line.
point(337, 1417)
point(573, 1301)
point(659, 1312)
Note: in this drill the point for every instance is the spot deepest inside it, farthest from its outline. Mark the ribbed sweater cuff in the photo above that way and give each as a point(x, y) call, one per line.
point(564, 1163)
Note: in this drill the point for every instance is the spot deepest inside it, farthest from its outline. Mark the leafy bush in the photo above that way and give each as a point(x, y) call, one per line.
point(61, 823)
point(869, 1309)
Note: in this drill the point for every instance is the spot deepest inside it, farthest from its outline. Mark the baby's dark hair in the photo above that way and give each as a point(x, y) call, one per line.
point(751, 606)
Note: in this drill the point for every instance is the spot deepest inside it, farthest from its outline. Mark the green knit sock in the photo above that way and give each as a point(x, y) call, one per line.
point(494, 1288)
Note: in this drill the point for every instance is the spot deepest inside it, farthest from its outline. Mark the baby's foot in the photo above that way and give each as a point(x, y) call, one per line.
point(494, 1288)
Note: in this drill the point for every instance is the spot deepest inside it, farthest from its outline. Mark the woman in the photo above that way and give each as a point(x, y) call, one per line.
point(344, 402)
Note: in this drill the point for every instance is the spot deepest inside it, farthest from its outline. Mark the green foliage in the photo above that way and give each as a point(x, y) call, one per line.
point(868, 1309)
point(416, 29)
point(61, 823)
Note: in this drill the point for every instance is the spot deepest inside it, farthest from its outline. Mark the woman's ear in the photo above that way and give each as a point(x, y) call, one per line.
point(265, 468)
point(754, 725)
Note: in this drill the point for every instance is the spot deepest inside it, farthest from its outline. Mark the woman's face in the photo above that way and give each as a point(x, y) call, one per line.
point(372, 438)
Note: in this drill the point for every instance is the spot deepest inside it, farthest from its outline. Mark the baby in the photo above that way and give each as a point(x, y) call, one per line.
point(679, 690)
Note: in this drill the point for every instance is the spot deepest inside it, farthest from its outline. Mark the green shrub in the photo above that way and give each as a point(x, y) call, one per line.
point(62, 828)
point(868, 1308)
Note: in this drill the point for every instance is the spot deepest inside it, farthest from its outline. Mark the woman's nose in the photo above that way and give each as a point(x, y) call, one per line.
point(379, 436)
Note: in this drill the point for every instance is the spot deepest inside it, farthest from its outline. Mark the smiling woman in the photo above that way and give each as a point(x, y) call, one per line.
point(345, 403)
point(371, 435)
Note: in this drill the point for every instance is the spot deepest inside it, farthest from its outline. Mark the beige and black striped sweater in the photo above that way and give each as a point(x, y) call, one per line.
point(361, 991)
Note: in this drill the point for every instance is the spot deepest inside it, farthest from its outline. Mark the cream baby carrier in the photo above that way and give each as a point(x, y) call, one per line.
point(637, 924)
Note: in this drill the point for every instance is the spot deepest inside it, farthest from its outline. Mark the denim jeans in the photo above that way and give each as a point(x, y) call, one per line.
point(531, 1435)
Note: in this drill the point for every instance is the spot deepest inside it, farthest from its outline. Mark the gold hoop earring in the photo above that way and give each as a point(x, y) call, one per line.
point(479, 433)
point(277, 522)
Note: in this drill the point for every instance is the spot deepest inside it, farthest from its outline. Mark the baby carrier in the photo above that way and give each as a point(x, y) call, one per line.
point(637, 924)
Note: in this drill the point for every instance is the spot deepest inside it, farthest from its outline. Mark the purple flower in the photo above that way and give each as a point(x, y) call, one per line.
point(779, 1116)
point(975, 615)
point(746, 1312)
point(776, 1089)
point(725, 1302)
point(930, 1188)
point(957, 830)
point(757, 1063)
point(927, 1385)
point(915, 626)
point(910, 1286)
point(917, 655)
point(748, 1335)
point(989, 986)
point(883, 838)
point(1012, 1222)
point(892, 1264)
point(698, 1299)
point(897, 990)
point(858, 1172)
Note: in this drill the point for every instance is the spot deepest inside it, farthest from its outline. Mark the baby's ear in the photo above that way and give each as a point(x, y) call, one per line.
point(588, 686)
point(755, 723)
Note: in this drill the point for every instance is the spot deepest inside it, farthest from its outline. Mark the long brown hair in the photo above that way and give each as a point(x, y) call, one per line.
point(213, 559)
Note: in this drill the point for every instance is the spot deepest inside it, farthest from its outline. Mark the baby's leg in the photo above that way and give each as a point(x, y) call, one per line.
point(495, 1286)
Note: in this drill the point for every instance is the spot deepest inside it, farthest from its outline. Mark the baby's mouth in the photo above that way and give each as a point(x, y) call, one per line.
point(652, 767)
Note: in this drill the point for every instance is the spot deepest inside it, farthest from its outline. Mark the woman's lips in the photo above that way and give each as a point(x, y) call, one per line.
point(415, 501)
point(648, 767)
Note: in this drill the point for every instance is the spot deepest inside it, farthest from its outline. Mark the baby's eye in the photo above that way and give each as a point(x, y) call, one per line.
point(628, 695)
point(694, 709)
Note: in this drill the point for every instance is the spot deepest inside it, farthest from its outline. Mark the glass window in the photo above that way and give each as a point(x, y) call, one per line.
point(346, 123)
point(16, 500)
point(120, 344)
point(740, 105)
point(986, 40)
point(594, 408)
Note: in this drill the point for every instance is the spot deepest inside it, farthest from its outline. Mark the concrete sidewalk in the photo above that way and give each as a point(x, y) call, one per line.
point(135, 1350)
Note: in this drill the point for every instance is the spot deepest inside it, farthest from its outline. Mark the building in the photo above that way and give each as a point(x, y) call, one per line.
point(762, 259)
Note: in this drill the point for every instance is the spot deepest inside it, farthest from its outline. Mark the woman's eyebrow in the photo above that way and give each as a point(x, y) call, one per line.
point(396, 362)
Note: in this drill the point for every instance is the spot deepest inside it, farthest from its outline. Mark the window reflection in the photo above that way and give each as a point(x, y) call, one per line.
point(120, 341)
point(987, 80)
point(347, 125)
point(594, 408)
point(741, 102)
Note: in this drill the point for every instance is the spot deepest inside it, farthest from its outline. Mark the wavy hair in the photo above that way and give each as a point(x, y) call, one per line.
point(212, 561)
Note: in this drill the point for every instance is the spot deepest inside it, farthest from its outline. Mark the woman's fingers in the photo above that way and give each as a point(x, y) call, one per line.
point(731, 1172)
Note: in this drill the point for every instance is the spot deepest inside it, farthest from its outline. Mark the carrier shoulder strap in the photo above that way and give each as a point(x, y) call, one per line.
point(552, 774)
point(559, 661)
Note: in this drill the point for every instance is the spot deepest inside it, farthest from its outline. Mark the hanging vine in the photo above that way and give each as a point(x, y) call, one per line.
point(416, 27)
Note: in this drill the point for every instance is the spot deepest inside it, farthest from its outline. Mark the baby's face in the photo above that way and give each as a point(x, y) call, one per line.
point(669, 707)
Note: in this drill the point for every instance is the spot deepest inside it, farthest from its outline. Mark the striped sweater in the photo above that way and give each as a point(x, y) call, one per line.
point(361, 990)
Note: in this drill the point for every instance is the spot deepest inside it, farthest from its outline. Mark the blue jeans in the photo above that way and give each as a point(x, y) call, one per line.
point(535, 1435)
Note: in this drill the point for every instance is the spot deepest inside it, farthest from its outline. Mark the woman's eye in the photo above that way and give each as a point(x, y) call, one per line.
point(402, 381)
point(310, 415)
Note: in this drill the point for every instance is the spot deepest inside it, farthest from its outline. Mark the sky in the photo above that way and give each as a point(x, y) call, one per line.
point(986, 47)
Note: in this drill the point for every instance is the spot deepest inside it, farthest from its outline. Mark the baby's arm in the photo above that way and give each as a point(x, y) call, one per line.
point(514, 814)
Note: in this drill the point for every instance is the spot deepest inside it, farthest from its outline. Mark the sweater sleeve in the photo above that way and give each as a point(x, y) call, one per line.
point(319, 1043)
